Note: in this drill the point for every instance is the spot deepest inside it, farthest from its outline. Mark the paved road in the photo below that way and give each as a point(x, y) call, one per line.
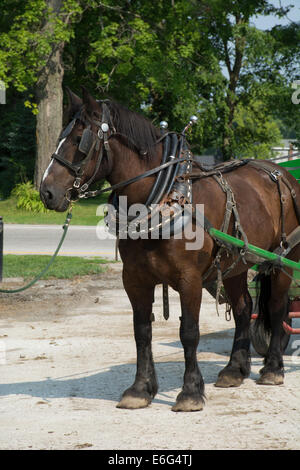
point(43, 240)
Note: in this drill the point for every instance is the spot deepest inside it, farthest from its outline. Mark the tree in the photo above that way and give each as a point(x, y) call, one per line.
point(164, 59)
point(247, 53)
point(32, 36)
point(152, 57)
point(48, 88)
point(17, 143)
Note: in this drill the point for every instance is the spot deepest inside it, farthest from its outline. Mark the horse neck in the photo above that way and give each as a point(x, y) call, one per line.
point(128, 164)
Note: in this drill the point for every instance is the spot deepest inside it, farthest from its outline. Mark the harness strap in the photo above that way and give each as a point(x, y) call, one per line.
point(132, 144)
point(72, 166)
point(131, 180)
point(166, 302)
point(277, 177)
point(282, 202)
point(221, 168)
point(85, 186)
point(294, 197)
point(230, 202)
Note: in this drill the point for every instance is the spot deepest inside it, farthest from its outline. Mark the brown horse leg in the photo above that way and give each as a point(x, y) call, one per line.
point(144, 388)
point(238, 367)
point(191, 398)
point(277, 308)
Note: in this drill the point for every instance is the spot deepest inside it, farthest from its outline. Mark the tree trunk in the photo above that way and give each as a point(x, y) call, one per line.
point(228, 134)
point(231, 99)
point(49, 118)
point(49, 97)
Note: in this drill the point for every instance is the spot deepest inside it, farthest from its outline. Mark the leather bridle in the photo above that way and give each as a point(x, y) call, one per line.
point(89, 144)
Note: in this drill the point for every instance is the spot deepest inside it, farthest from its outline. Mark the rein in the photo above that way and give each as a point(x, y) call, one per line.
point(51, 261)
point(95, 193)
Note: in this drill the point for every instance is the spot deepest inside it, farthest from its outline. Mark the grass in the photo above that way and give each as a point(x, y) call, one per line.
point(64, 267)
point(84, 213)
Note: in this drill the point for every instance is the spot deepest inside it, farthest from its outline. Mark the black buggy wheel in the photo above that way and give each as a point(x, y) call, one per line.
point(260, 338)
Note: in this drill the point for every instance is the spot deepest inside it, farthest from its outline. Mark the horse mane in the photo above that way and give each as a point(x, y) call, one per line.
point(139, 130)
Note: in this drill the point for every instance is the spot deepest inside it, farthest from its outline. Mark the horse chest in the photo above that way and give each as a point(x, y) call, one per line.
point(153, 258)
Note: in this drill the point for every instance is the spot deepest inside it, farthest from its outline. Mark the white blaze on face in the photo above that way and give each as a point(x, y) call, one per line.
point(59, 145)
point(56, 151)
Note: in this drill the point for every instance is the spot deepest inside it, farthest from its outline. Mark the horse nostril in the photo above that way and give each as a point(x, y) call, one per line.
point(48, 195)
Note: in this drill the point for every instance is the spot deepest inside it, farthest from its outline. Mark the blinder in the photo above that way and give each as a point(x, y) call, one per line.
point(86, 141)
point(86, 146)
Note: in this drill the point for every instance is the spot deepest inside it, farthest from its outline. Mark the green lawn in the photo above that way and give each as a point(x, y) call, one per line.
point(84, 213)
point(64, 267)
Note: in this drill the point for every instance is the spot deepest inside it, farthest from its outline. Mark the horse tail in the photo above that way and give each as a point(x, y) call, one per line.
point(263, 284)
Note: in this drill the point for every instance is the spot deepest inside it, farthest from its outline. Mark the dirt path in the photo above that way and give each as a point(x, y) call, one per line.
point(67, 353)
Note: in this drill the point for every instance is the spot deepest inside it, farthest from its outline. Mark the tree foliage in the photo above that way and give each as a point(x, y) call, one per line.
point(29, 34)
point(17, 143)
point(168, 59)
point(26, 42)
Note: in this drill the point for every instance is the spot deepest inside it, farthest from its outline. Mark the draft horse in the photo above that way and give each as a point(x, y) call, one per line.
point(104, 140)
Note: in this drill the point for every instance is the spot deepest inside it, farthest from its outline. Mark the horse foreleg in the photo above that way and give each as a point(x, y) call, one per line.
point(191, 398)
point(238, 367)
point(144, 388)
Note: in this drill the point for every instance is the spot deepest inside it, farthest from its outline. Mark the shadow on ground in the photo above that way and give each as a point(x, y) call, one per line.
point(109, 383)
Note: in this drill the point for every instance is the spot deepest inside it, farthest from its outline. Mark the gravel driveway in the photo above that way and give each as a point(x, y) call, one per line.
point(67, 352)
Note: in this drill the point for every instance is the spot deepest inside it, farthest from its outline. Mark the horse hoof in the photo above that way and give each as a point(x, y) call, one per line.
point(270, 378)
point(226, 381)
point(133, 403)
point(188, 403)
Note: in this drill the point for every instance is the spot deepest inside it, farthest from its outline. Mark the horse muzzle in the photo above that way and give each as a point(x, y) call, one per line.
point(53, 199)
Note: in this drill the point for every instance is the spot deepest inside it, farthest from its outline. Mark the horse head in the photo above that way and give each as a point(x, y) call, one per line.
point(78, 159)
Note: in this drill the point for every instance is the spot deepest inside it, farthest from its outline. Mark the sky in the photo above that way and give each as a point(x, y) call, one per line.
point(267, 22)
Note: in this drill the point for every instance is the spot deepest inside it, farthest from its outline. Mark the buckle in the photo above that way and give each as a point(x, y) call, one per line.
point(275, 175)
point(84, 187)
point(76, 183)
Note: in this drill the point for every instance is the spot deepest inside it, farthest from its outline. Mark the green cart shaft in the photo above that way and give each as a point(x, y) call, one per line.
point(267, 255)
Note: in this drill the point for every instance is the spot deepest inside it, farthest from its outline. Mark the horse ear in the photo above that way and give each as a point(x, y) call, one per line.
point(89, 102)
point(73, 106)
